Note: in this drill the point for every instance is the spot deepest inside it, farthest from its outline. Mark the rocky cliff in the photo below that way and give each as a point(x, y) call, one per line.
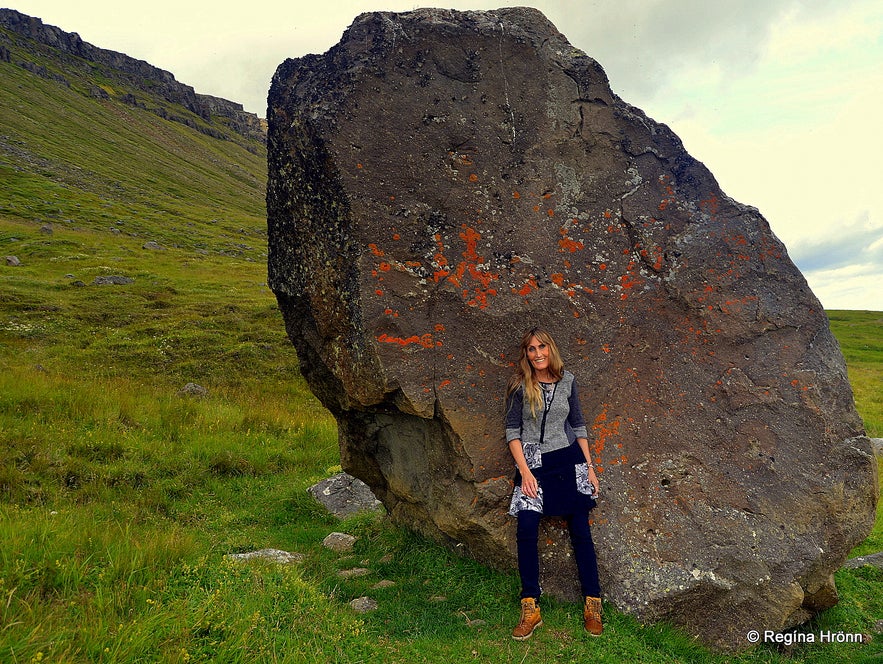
point(27, 41)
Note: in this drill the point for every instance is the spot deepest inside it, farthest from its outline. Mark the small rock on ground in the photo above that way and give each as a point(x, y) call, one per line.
point(340, 542)
point(363, 604)
point(872, 559)
point(344, 495)
point(353, 573)
point(271, 555)
point(112, 280)
point(194, 390)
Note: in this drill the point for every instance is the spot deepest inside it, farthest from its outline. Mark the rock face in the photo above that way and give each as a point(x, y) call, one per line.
point(129, 71)
point(440, 182)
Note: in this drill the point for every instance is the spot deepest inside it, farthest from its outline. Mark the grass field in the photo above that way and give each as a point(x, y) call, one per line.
point(860, 334)
point(120, 494)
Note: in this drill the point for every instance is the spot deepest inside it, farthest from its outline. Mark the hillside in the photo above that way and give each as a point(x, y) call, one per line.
point(65, 58)
point(101, 156)
point(88, 135)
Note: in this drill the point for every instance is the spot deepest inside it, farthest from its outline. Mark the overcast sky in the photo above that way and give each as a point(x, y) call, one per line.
point(781, 99)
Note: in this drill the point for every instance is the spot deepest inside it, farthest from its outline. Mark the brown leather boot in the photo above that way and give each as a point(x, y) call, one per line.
point(592, 616)
point(530, 619)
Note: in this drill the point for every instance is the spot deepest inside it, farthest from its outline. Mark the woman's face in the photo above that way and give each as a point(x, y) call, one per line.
point(538, 354)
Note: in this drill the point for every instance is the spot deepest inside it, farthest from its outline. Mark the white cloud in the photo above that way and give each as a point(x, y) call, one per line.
point(851, 287)
point(857, 243)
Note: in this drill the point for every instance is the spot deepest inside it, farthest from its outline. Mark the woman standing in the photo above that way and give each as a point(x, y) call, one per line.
point(548, 439)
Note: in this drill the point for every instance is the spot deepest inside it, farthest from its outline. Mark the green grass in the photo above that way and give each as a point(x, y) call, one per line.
point(120, 495)
point(860, 334)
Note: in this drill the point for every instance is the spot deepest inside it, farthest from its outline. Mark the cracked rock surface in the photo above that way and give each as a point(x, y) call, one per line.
point(439, 182)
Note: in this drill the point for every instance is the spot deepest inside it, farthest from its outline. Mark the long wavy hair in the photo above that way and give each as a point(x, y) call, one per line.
point(524, 372)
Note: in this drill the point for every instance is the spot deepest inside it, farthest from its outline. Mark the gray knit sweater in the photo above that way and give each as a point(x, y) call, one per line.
point(553, 428)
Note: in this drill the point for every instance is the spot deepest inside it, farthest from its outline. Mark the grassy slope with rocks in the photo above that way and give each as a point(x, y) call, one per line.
point(120, 495)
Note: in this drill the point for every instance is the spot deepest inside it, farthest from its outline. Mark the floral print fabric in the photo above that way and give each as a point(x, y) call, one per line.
point(520, 501)
point(582, 480)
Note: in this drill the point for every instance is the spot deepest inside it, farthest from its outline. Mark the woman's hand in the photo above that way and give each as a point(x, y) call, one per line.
point(529, 484)
point(584, 446)
point(594, 479)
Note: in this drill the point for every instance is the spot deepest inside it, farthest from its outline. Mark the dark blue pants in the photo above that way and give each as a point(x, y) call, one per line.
point(527, 538)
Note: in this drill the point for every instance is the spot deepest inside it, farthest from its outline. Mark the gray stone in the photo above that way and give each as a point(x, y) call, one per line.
point(872, 560)
point(344, 495)
point(340, 542)
point(269, 555)
point(439, 182)
point(194, 390)
point(363, 605)
point(13, 261)
point(47, 229)
point(112, 280)
point(353, 573)
point(153, 246)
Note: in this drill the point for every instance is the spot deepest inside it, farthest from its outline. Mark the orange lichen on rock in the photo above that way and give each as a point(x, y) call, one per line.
point(710, 205)
point(569, 244)
point(470, 268)
point(604, 429)
point(529, 285)
point(425, 340)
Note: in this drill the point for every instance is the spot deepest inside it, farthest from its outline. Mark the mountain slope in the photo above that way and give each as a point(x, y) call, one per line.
point(65, 58)
point(68, 153)
point(88, 180)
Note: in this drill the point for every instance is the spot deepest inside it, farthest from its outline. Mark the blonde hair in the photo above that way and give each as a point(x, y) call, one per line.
point(524, 372)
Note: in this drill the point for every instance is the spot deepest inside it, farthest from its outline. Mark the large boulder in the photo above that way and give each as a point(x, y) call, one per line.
point(439, 182)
